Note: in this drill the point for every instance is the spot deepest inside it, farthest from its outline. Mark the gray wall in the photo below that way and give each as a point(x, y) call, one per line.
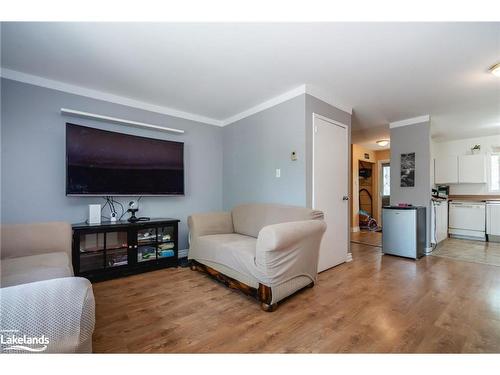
point(413, 138)
point(255, 146)
point(314, 105)
point(224, 166)
point(33, 157)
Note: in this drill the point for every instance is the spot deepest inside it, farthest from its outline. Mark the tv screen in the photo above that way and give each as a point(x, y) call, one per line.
point(100, 162)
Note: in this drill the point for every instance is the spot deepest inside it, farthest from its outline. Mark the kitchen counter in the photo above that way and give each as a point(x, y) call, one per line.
point(474, 198)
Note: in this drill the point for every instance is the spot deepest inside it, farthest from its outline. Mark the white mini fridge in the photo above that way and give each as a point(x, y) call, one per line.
point(404, 231)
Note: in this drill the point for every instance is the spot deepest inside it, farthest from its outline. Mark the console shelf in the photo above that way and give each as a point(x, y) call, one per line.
point(110, 250)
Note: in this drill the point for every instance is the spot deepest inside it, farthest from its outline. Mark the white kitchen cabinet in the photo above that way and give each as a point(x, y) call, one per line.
point(493, 218)
point(472, 169)
point(439, 221)
point(446, 170)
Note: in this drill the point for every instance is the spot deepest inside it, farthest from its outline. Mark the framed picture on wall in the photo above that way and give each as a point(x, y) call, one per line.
point(408, 170)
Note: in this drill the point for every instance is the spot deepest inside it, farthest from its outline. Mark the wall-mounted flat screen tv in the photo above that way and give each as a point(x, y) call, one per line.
point(100, 162)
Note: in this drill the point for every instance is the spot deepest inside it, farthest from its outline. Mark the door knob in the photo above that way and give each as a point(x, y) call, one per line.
point(345, 198)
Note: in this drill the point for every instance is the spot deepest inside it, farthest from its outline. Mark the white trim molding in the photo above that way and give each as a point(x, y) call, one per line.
point(312, 90)
point(327, 97)
point(267, 104)
point(93, 116)
point(99, 95)
point(182, 253)
point(355, 229)
point(410, 121)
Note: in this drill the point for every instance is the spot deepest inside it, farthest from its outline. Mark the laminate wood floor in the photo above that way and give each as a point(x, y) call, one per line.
point(365, 237)
point(469, 251)
point(376, 303)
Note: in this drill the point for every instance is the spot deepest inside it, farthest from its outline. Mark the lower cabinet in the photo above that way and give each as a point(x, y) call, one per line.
point(493, 220)
point(110, 250)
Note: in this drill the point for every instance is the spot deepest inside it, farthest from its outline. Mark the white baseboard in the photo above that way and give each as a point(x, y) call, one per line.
point(183, 253)
point(355, 229)
point(349, 257)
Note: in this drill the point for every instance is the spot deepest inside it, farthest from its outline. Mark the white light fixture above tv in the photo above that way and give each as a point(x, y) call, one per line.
point(93, 116)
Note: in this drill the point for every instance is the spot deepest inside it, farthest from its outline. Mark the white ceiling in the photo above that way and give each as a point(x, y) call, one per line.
point(368, 137)
point(386, 71)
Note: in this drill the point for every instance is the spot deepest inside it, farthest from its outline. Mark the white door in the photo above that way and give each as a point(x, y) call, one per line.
point(330, 186)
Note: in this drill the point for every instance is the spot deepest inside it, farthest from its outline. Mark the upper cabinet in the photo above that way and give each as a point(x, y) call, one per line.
point(446, 170)
point(463, 169)
point(472, 169)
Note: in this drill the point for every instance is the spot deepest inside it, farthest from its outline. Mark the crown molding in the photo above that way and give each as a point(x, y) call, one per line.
point(410, 121)
point(327, 97)
point(302, 89)
point(99, 95)
point(267, 104)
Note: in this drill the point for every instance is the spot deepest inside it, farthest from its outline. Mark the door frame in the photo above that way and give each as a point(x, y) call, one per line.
point(347, 183)
point(381, 186)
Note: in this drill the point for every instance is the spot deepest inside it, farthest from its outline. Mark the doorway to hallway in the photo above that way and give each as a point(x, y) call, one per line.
point(385, 186)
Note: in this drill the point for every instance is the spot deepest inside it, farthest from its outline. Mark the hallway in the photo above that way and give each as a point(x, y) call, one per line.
point(365, 237)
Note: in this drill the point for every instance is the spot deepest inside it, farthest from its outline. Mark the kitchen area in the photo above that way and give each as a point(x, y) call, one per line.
point(465, 217)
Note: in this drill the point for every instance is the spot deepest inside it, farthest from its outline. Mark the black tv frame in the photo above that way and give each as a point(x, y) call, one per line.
point(144, 194)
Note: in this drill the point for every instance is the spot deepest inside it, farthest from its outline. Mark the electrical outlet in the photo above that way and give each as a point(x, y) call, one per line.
point(278, 173)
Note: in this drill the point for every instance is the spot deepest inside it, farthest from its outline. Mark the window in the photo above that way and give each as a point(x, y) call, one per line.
point(386, 182)
point(495, 172)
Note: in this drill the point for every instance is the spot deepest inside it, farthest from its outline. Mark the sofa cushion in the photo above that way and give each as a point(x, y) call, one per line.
point(32, 268)
point(249, 219)
point(210, 223)
point(19, 240)
point(235, 251)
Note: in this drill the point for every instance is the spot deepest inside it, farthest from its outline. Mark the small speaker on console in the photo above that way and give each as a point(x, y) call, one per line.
point(94, 214)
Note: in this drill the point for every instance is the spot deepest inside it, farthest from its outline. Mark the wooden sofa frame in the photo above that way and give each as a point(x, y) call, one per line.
point(263, 293)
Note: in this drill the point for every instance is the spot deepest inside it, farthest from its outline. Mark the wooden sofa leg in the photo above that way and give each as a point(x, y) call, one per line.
point(265, 297)
point(268, 308)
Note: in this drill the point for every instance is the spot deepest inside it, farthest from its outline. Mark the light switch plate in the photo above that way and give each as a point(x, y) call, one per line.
point(278, 173)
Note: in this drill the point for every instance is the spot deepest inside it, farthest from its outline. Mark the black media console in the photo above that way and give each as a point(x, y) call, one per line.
point(109, 250)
